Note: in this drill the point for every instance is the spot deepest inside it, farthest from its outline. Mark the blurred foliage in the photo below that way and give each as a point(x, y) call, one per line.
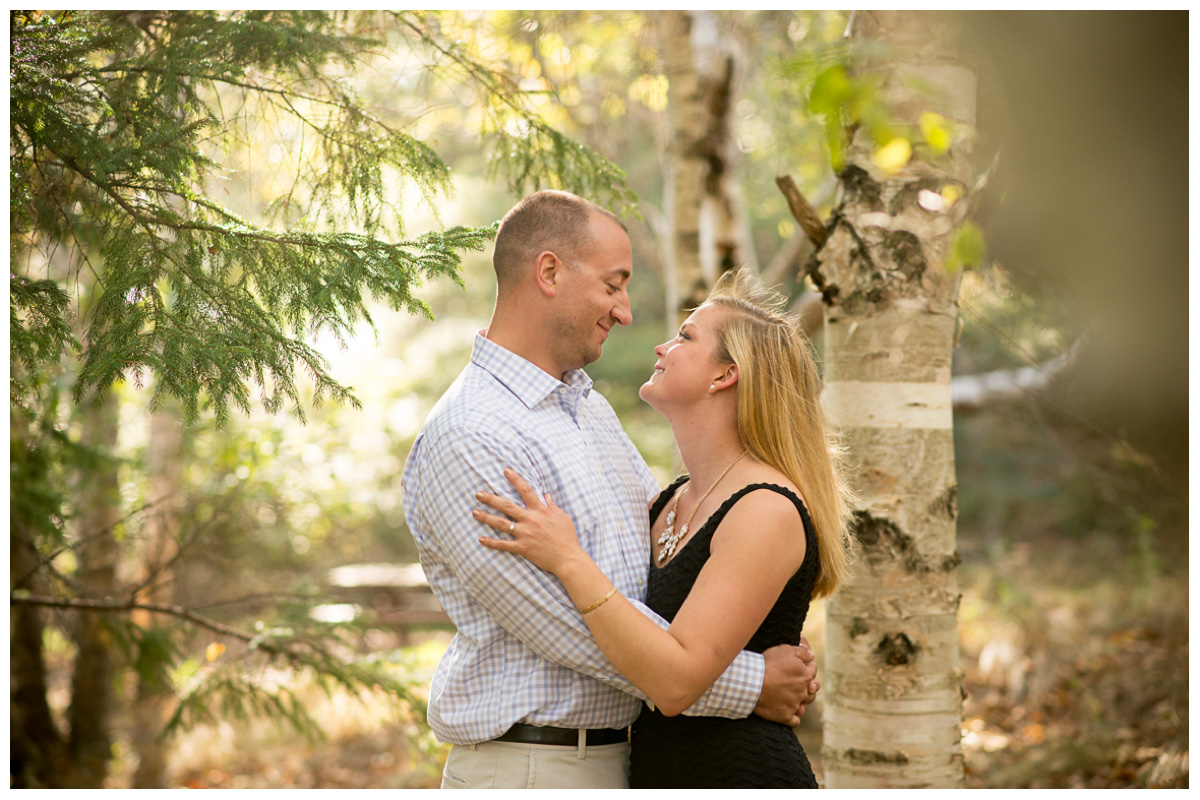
point(605, 67)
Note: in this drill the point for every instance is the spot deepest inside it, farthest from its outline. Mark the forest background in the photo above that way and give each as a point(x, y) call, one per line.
point(175, 561)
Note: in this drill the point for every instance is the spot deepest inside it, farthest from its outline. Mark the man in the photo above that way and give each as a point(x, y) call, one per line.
point(523, 692)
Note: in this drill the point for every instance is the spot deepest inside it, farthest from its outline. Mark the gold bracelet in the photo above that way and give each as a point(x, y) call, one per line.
point(599, 602)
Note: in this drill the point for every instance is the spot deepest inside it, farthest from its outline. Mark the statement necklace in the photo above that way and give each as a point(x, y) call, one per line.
point(670, 539)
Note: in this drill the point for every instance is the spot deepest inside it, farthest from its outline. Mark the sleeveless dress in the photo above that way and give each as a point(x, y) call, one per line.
point(714, 752)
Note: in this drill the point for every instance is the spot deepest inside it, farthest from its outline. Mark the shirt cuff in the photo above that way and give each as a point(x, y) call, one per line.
point(736, 692)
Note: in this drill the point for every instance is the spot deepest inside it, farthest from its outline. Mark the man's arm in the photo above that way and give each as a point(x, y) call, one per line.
point(528, 603)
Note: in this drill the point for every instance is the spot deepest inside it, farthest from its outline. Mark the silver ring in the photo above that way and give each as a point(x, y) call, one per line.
point(511, 526)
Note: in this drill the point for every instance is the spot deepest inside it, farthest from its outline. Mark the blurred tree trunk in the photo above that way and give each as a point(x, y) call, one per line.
point(721, 246)
point(894, 704)
point(703, 205)
point(98, 505)
point(34, 741)
point(685, 110)
point(157, 581)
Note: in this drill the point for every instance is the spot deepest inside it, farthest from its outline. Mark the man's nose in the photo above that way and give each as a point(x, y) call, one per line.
point(622, 313)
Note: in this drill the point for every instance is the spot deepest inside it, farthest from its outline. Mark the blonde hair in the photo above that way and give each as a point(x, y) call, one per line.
point(779, 415)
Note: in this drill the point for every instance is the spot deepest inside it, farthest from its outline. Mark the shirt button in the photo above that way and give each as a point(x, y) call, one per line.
point(640, 581)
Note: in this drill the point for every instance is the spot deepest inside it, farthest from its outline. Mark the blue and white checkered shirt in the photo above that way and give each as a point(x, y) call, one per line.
point(522, 652)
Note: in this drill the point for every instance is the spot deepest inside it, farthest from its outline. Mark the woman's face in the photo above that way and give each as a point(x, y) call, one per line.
point(687, 365)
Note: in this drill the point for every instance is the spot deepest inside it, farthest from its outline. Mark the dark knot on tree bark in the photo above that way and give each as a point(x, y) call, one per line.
point(896, 650)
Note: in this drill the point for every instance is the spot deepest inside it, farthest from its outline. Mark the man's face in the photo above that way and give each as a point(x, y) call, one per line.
point(593, 296)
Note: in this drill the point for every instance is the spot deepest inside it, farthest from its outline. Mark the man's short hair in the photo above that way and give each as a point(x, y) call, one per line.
point(547, 220)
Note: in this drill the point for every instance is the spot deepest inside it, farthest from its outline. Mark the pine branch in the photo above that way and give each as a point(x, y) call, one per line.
point(109, 121)
point(281, 643)
point(592, 173)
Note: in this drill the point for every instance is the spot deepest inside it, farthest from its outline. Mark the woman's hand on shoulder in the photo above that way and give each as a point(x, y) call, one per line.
point(541, 531)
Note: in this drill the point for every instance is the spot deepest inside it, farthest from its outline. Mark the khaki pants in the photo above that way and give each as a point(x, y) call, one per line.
point(510, 765)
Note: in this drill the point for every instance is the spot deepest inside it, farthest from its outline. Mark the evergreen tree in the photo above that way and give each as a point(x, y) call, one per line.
point(120, 125)
point(115, 122)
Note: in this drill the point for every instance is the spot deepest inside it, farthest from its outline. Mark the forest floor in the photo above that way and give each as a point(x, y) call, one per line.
point(1075, 660)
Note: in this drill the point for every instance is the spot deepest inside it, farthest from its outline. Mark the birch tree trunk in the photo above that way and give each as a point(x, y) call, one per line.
point(721, 225)
point(704, 205)
point(686, 113)
point(893, 711)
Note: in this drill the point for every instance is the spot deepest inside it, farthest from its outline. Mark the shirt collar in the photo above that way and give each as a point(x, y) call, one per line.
point(530, 383)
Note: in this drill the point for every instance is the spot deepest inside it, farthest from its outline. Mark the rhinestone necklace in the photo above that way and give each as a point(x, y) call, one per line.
point(670, 539)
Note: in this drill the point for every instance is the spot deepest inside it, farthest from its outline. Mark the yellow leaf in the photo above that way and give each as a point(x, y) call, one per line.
point(650, 91)
point(893, 156)
point(936, 131)
point(214, 651)
point(613, 107)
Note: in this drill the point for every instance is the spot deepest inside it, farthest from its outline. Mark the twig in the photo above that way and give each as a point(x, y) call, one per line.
point(87, 539)
point(108, 606)
point(101, 606)
point(256, 596)
point(183, 546)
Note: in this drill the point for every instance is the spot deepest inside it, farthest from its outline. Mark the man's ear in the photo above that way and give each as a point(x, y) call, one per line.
point(548, 271)
point(727, 379)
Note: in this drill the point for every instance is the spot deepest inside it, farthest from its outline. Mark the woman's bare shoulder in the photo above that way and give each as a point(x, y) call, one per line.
point(764, 521)
point(762, 473)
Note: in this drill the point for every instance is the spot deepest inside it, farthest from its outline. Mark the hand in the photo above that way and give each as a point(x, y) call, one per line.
point(789, 683)
point(542, 532)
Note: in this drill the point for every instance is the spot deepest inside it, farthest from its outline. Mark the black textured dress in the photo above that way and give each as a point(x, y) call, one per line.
point(714, 752)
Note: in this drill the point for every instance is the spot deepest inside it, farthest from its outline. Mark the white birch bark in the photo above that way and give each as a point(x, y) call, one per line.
point(893, 711)
point(720, 211)
point(686, 113)
point(705, 208)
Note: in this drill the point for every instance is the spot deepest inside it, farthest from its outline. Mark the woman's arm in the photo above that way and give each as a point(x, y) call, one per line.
point(755, 551)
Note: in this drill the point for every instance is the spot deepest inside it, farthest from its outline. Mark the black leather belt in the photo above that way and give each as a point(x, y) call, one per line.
point(538, 734)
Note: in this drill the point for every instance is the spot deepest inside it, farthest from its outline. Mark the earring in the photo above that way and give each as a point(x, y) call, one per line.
point(712, 387)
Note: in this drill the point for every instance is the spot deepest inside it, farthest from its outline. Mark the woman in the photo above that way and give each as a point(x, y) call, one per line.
point(747, 540)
